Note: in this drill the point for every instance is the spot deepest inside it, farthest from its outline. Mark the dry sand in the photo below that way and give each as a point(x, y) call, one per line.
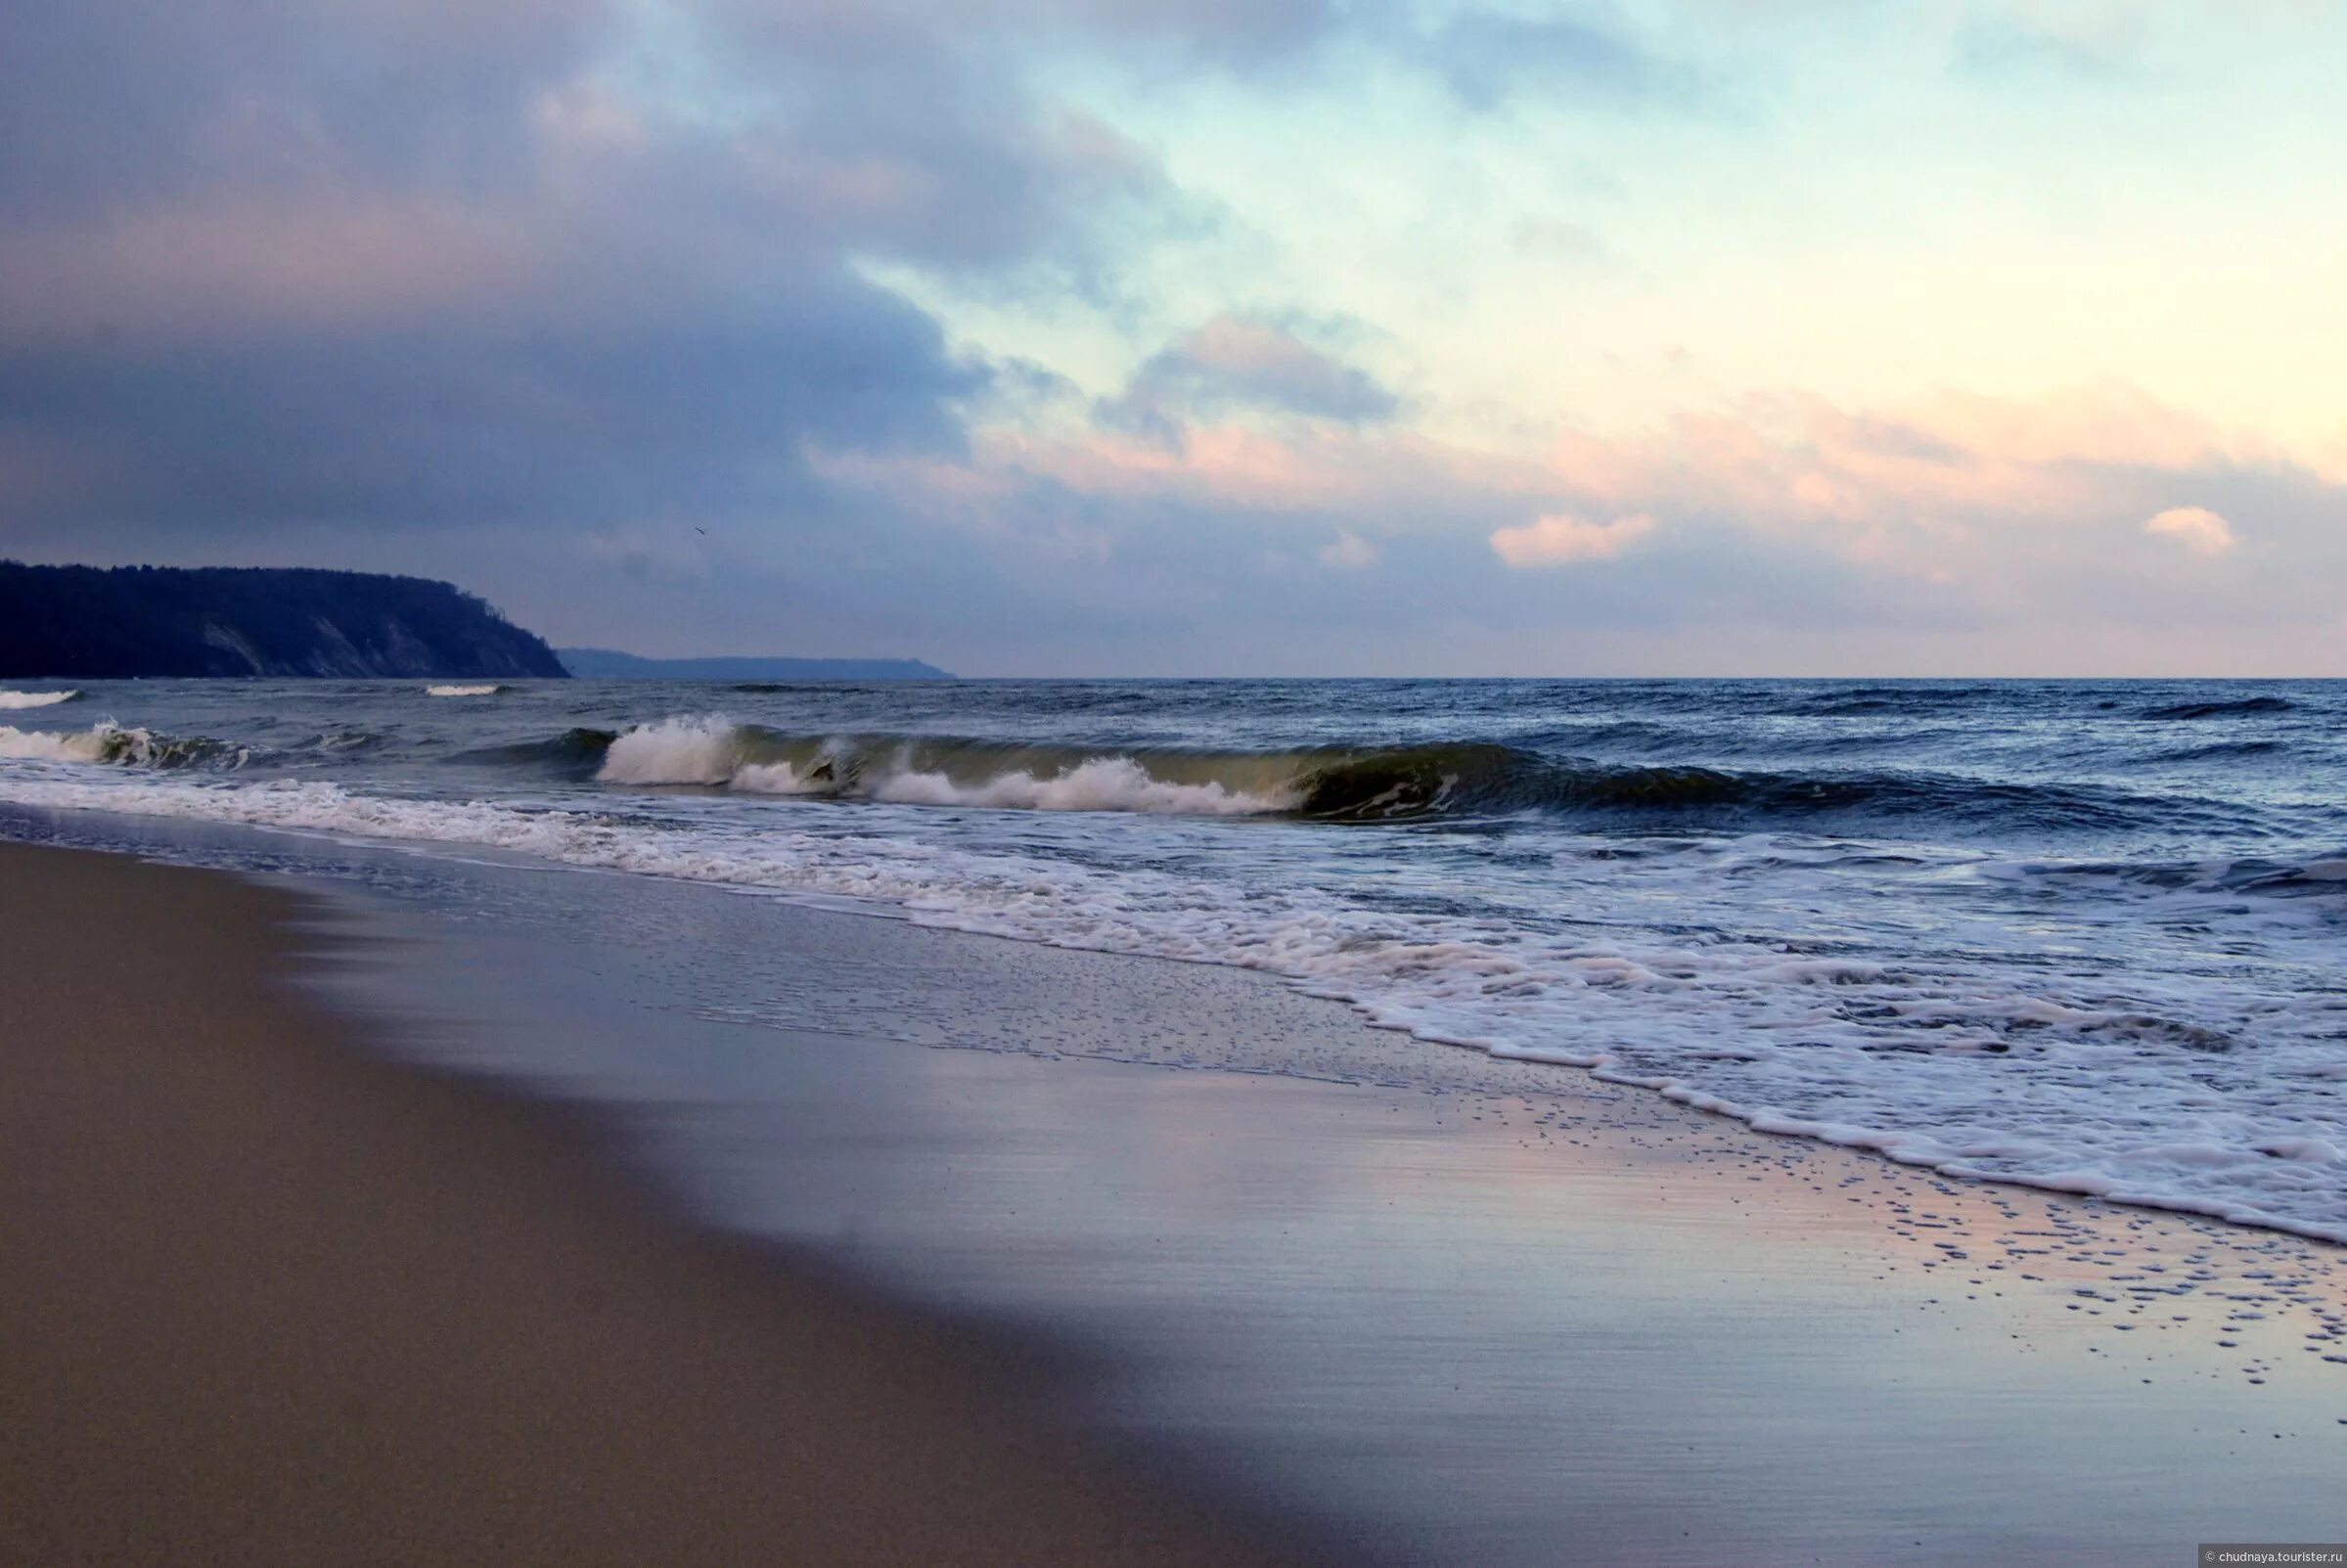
point(266, 1299)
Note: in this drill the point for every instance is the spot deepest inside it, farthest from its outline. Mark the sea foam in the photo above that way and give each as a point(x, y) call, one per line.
point(2212, 1092)
point(463, 690)
point(104, 742)
point(35, 699)
point(711, 751)
point(1099, 783)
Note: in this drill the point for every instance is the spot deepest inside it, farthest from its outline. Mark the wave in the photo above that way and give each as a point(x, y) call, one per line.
point(2221, 750)
point(35, 699)
point(1328, 784)
point(490, 689)
point(576, 752)
point(934, 772)
point(1853, 701)
point(110, 743)
point(2219, 1100)
point(2220, 710)
point(2317, 875)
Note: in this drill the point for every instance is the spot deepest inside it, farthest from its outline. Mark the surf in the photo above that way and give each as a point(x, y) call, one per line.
point(35, 699)
point(1359, 784)
point(110, 744)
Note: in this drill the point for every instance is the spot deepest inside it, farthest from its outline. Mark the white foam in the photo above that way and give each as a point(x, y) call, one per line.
point(461, 690)
point(1101, 784)
point(710, 750)
point(35, 699)
point(773, 778)
point(103, 741)
point(106, 742)
point(2214, 1091)
point(46, 746)
point(674, 751)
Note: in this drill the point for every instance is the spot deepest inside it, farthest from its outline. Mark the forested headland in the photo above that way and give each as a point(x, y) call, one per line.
point(113, 623)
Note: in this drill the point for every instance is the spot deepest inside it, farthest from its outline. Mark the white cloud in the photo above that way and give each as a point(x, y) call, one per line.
point(2199, 529)
point(1559, 539)
point(1350, 550)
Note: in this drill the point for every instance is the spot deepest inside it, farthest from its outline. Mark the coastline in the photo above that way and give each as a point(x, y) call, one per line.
point(1505, 1314)
point(271, 1299)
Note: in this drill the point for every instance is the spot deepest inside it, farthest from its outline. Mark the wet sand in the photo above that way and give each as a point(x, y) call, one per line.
point(1467, 1310)
point(267, 1300)
point(1474, 1312)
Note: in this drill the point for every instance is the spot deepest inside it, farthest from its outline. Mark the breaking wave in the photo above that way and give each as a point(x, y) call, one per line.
point(35, 699)
point(919, 771)
point(1328, 784)
point(110, 743)
point(490, 689)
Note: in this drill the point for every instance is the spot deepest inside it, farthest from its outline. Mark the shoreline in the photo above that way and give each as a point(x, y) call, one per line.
point(1526, 1318)
point(273, 1299)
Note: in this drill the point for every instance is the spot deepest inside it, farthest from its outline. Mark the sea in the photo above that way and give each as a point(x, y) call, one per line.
point(2089, 936)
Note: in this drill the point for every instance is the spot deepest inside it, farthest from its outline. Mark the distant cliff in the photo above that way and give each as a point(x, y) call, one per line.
point(88, 623)
point(602, 664)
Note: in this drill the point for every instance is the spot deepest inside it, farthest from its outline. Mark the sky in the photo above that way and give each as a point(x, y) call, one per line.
point(1210, 336)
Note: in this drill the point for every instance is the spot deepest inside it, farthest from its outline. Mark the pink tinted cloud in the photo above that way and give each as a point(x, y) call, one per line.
point(2197, 528)
point(1866, 482)
point(1561, 539)
point(2000, 499)
point(1312, 469)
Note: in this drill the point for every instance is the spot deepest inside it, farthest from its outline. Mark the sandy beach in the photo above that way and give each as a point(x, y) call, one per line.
point(269, 1301)
point(1029, 1264)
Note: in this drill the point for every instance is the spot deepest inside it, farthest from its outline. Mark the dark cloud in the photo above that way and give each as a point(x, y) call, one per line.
point(108, 102)
point(1236, 33)
point(535, 291)
point(474, 424)
point(400, 263)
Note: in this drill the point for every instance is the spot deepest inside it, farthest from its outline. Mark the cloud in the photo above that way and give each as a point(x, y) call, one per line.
point(2197, 528)
point(536, 290)
point(1349, 552)
point(1486, 57)
point(1235, 362)
point(1941, 517)
point(1561, 539)
point(557, 263)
